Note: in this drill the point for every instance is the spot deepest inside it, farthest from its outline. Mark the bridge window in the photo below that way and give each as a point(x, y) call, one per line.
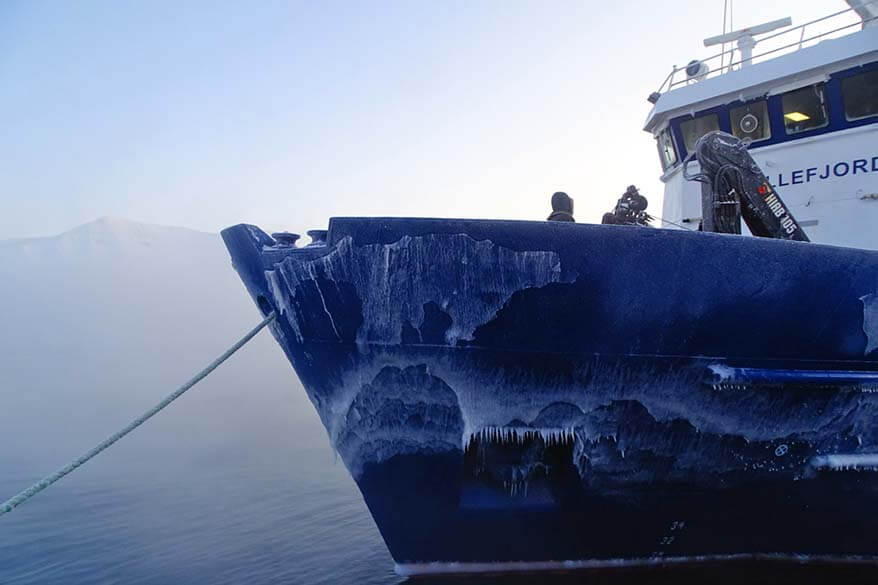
point(751, 121)
point(804, 109)
point(667, 152)
point(695, 128)
point(860, 94)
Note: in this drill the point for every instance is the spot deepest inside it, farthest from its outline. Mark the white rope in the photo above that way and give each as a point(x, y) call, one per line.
point(36, 488)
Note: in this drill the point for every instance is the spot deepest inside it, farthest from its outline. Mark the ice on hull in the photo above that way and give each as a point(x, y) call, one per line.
point(533, 392)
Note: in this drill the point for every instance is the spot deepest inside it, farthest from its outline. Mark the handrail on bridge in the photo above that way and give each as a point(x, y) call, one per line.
point(671, 82)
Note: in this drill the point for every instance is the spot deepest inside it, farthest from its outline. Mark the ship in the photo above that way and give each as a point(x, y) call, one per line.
point(552, 395)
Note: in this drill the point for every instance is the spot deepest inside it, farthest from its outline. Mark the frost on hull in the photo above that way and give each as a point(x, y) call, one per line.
point(649, 424)
point(400, 412)
point(529, 391)
point(413, 337)
point(468, 280)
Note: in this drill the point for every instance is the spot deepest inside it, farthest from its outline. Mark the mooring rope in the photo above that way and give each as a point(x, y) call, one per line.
point(36, 488)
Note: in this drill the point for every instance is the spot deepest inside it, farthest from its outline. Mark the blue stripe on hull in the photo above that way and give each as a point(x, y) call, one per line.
point(794, 376)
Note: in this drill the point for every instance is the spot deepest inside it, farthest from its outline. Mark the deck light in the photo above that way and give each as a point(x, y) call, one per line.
point(796, 117)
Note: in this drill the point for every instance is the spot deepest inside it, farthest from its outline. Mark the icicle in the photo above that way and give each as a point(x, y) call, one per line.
point(508, 435)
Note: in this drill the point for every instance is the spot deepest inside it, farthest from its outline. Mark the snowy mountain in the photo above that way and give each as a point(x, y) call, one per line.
point(102, 321)
point(115, 282)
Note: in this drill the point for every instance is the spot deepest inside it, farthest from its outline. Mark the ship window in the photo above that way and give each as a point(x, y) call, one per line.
point(751, 121)
point(696, 128)
point(804, 109)
point(667, 152)
point(860, 94)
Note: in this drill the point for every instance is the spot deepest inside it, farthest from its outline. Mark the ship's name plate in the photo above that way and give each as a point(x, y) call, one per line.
point(826, 171)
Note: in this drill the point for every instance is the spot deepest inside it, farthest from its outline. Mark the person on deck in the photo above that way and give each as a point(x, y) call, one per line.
point(562, 207)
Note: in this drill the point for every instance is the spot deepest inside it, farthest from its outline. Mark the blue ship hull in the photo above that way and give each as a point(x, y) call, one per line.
point(526, 395)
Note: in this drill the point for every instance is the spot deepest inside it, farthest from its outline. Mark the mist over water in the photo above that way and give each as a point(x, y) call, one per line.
point(235, 482)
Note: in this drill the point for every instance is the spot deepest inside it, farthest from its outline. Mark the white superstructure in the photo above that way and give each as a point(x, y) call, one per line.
point(811, 114)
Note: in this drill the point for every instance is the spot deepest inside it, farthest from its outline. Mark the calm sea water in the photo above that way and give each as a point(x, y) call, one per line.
point(234, 483)
point(266, 511)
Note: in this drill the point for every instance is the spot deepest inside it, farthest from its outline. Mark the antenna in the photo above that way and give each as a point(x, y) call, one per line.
point(745, 39)
point(722, 55)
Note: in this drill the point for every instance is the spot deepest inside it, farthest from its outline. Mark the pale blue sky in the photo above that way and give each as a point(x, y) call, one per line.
point(206, 114)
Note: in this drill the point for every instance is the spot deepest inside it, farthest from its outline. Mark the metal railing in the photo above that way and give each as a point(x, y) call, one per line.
point(673, 80)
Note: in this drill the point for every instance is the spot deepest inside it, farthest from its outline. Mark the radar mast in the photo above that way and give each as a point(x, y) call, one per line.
point(746, 37)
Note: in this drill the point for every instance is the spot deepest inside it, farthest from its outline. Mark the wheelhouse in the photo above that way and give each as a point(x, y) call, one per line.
point(810, 116)
point(848, 99)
